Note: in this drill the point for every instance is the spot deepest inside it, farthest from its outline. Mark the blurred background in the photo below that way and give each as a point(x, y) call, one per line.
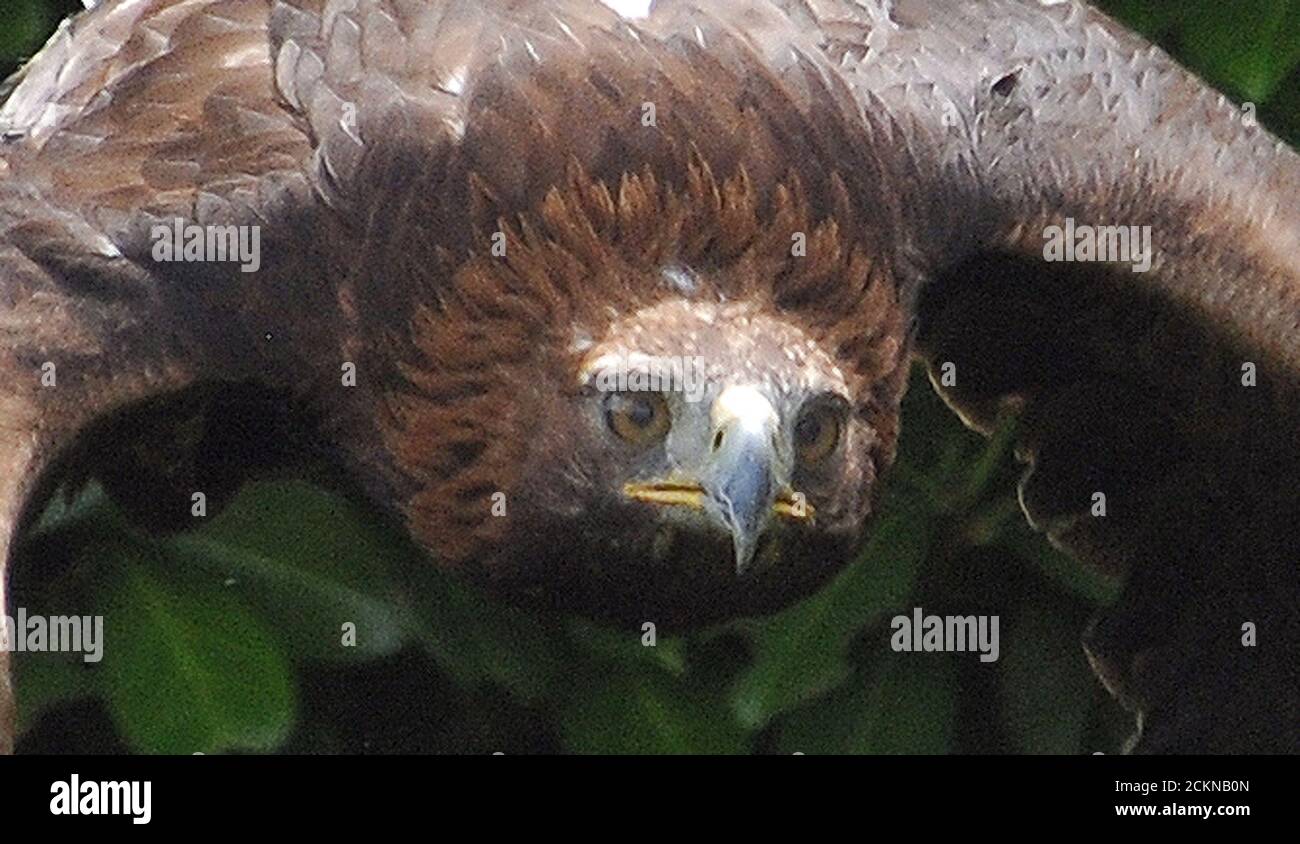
point(228, 638)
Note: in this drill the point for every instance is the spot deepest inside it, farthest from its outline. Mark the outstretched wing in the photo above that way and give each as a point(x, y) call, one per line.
point(370, 145)
point(97, 135)
point(1159, 405)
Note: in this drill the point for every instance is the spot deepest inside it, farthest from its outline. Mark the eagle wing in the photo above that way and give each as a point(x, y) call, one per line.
point(369, 143)
point(1157, 389)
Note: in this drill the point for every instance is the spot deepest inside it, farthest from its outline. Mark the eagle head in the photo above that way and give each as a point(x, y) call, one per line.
point(655, 402)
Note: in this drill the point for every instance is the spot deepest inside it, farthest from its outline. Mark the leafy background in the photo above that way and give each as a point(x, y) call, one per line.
point(227, 638)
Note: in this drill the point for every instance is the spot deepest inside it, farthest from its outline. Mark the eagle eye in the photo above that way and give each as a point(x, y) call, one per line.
point(641, 419)
point(817, 432)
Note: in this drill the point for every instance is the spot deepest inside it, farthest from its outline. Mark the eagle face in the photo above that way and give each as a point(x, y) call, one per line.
point(706, 460)
point(679, 391)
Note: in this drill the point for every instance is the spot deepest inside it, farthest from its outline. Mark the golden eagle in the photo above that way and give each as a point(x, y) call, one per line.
point(650, 283)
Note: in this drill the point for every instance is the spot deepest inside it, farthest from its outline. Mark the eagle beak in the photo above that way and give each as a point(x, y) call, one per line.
point(744, 472)
point(745, 478)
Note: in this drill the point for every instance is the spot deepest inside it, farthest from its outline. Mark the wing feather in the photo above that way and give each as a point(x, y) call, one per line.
point(1173, 393)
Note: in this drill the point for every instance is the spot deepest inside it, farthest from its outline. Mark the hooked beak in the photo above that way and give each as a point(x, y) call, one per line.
point(744, 480)
point(740, 479)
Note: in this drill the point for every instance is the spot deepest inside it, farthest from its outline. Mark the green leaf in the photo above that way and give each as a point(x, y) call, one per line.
point(646, 712)
point(905, 704)
point(1282, 113)
point(189, 669)
point(22, 27)
point(1151, 19)
point(315, 617)
point(1074, 577)
point(67, 538)
point(477, 640)
point(307, 562)
point(1248, 46)
point(626, 646)
point(801, 652)
point(1047, 689)
point(48, 680)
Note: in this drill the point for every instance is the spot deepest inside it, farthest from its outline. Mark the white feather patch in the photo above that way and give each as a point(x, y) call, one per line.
point(630, 9)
